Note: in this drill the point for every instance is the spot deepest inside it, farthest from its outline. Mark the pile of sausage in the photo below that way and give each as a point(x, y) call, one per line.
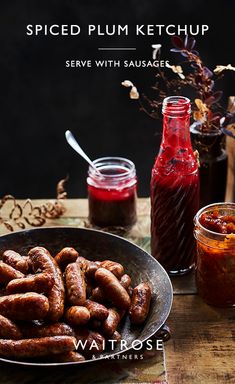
point(48, 304)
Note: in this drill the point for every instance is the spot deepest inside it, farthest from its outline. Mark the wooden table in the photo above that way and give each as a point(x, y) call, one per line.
point(202, 347)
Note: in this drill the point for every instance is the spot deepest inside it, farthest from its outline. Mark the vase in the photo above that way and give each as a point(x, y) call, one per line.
point(230, 148)
point(213, 164)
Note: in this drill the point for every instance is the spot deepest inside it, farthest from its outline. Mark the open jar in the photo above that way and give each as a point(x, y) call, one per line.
point(112, 193)
point(215, 261)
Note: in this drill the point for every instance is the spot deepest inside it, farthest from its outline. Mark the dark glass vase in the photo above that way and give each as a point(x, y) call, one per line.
point(213, 164)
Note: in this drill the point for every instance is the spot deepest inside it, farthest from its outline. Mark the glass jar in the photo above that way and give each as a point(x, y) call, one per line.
point(215, 261)
point(174, 190)
point(112, 195)
point(213, 163)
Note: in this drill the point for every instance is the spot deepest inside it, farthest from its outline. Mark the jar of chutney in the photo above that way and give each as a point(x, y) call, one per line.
point(215, 260)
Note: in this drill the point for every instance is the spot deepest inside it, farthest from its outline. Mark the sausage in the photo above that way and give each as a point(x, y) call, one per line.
point(9, 330)
point(75, 284)
point(91, 269)
point(97, 311)
point(70, 356)
point(116, 268)
point(30, 331)
point(89, 342)
point(89, 288)
point(125, 281)
point(65, 256)
point(40, 283)
point(82, 262)
point(97, 295)
point(116, 336)
point(24, 306)
point(16, 261)
point(77, 315)
point(98, 263)
point(43, 261)
point(44, 346)
point(8, 273)
point(110, 284)
point(95, 324)
point(140, 303)
point(66, 357)
point(109, 326)
point(130, 291)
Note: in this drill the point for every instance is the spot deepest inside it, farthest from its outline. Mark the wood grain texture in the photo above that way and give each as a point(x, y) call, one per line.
point(202, 348)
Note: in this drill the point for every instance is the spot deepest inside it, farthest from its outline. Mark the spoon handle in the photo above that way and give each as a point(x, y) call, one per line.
point(74, 144)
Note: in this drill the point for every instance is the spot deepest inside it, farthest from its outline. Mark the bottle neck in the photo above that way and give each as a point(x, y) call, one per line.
point(176, 123)
point(176, 133)
point(176, 152)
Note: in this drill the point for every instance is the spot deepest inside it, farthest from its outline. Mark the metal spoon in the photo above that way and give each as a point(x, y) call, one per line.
point(74, 144)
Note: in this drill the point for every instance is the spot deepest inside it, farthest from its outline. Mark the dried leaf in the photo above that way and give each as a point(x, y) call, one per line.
point(221, 68)
point(134, 94)
point(177, 42)
point(8, 226)
point(231, 104)
point(60, 189)
point(191, 43)
point(201, 106)
point(199, 116)
point(156, 50)
point(16, 212)
point(21, 225)
point(176, 69)
point(127, 83)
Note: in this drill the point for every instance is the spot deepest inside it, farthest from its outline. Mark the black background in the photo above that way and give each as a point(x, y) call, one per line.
point(41, 98)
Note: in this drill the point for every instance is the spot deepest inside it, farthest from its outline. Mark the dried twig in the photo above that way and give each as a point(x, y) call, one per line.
point(20, 215)
point(209, 115)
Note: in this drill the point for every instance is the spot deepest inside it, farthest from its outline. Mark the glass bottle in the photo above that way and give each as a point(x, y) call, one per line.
point(112, 194)
point(174, 190)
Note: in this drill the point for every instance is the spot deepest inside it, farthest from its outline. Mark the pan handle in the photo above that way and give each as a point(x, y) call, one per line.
point(164, 333)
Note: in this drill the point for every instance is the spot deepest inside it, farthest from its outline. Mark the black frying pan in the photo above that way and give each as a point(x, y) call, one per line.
point(97, 245)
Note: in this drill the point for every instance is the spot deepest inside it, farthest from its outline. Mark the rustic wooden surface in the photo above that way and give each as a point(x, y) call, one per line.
point(202, 348)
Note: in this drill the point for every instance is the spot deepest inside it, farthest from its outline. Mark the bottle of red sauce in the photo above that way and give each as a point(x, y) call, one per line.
point(174, 190)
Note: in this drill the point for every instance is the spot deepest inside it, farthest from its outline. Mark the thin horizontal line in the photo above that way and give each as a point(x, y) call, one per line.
point(117, 49)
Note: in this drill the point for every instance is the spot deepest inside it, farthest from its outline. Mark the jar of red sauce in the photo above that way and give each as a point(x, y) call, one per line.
point(215, 261)
point(112, 193)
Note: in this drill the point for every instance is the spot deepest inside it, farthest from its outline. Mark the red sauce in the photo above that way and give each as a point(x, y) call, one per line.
point(175, 202)
point(174, 197)
point(112, 207)
point(112, 199)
